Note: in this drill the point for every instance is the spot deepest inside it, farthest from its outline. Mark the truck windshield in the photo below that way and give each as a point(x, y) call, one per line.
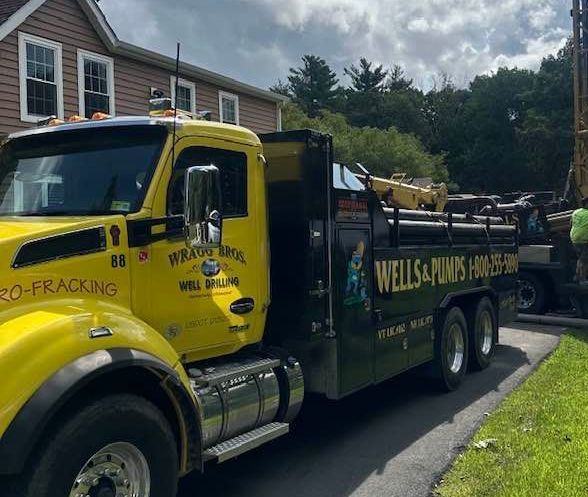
point(78, 172)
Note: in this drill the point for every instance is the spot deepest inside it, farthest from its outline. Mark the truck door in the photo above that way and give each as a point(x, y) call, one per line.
point(212, 302)
point(353, 307)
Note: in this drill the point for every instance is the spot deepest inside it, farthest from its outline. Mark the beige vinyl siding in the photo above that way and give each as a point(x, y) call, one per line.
point(132, 84)
point(9, 85)
point(258, 115)
point(65, 22)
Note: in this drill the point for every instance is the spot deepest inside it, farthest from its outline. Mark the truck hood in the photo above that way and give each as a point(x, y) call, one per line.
point(51, 258)
point(19, 229)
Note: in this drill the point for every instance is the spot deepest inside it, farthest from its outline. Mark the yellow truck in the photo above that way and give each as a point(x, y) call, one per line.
point(138, 339)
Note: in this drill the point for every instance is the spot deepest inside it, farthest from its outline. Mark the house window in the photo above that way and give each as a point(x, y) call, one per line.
point(186, 95)
point(228, 107)
point(95, 83)
point(41, 81)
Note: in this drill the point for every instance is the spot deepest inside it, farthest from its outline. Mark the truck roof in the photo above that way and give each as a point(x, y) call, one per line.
point(184, 127)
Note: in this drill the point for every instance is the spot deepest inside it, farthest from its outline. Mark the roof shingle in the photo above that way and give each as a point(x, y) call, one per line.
point(9, 7)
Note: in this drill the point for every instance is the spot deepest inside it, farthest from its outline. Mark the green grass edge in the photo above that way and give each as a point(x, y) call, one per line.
point(540, 432)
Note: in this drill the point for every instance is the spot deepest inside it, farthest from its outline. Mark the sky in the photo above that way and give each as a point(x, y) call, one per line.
point(257, 41)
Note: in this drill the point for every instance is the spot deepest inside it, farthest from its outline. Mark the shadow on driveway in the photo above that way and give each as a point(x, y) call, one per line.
point(335, 447)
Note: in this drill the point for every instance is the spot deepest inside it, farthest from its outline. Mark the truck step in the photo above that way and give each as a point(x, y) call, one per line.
point(233, 370)
point(244, 443)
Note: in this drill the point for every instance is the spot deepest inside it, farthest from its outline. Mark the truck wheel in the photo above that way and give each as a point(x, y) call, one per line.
point(484, 334)
point(531, 294)
point(452, 350)
point(118, 445)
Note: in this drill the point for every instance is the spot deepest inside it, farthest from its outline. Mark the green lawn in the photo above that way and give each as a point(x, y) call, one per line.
point(540, 433)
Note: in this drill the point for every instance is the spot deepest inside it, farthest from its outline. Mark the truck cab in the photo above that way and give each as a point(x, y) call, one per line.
point(79, 219)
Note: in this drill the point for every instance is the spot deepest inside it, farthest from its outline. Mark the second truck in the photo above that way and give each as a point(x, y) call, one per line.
point(146, 327)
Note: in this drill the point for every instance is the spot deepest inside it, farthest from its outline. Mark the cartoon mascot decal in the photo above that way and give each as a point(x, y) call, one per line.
point(356, 290)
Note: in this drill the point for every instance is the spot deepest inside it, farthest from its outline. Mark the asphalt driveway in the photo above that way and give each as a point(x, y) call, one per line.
point(393, 440)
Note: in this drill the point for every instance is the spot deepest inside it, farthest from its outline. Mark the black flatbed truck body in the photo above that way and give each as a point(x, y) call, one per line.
point(358, 296)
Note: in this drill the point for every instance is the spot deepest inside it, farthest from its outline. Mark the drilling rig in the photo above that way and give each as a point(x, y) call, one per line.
point(547, 269)
point(577, 183)
point(580, 169)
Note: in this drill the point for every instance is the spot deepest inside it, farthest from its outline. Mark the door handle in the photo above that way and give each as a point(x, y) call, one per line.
point(378, 315)
point(242, 306)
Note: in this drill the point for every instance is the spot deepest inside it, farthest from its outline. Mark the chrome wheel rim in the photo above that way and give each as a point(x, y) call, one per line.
point(455, 349)
point(527, 295)
point(486, 333)
point(117, 470)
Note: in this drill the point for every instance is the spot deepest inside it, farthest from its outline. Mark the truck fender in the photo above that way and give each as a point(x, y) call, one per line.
point(27, 428)
point(450, 297)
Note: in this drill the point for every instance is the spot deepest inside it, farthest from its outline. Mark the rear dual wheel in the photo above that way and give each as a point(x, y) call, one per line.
point(484, 334)
point(452, 350)
point(464, 341)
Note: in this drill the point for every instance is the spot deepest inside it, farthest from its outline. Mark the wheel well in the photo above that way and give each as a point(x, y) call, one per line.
point(467, 302)
point(136, 380)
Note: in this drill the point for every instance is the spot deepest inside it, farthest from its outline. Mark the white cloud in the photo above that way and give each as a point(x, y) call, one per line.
point(257, 40)
point(419, 25)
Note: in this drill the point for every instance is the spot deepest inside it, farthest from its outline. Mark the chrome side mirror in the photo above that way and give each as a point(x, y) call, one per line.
point(203, 222)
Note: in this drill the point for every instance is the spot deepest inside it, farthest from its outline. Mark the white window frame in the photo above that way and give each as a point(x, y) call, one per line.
point(229, 96)
point(279, 117)
point(109, 61)
point(23, 39)
point(186, 84)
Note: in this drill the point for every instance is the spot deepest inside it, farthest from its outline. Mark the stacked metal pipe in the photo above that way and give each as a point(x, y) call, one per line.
point(424, 228)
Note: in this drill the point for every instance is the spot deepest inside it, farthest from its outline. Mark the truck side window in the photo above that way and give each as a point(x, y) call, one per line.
point(233, 170)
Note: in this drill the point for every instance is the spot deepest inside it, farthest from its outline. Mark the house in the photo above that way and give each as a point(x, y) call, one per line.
point(61, 57)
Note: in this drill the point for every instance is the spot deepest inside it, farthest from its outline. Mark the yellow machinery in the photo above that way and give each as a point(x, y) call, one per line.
point(398, 192)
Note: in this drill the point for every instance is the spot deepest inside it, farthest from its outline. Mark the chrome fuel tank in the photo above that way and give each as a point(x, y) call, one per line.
point(244, 394)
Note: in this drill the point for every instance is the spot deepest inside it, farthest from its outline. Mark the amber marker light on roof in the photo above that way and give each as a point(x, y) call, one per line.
point(76, 119)
point(100, 116)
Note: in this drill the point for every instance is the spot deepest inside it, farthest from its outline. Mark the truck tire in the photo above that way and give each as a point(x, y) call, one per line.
point(484, 334)
point(117, 445)
point(451, 351)
point(531, 294)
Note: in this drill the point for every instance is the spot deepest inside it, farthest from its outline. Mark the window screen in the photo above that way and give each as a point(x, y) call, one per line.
point(233, 171)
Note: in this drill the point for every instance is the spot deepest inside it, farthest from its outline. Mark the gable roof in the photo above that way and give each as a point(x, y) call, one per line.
point(14, 12)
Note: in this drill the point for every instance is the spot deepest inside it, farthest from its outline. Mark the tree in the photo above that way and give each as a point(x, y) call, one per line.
point(383, 103)
point(397, 80)
point(547, 133)
point(314, 85)
point(491, 159)
point(281, 88)
point(364, 79)
point(444, 112)
point(510, 130)
point(383, 152)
